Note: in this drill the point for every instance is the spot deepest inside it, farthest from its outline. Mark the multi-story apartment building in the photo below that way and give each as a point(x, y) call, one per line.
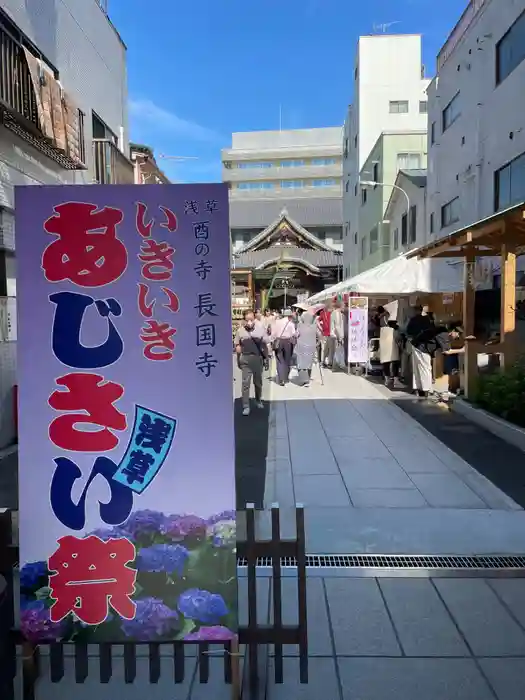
point(392, 152)
point(476, 136)
point(285, 212)
point(63, 119)
point(389, 96)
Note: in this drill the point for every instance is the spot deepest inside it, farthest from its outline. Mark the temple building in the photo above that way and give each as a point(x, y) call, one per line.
point(286, 217)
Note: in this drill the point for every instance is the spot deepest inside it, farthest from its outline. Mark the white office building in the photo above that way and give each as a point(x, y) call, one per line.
point(389, 96)
point(476, 110)
point(63, 119)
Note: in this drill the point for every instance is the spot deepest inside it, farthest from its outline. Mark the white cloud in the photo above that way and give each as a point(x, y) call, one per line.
point(147, 112)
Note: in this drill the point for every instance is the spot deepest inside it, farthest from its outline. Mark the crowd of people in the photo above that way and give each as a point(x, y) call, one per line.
point(303, 334)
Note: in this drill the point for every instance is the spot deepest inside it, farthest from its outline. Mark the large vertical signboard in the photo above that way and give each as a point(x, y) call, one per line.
point(358, 330)
point(127, 484)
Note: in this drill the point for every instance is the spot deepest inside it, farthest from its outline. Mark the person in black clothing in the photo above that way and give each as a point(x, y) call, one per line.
point(420, 330)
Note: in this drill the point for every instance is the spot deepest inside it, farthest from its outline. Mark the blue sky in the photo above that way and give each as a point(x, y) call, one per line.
point(200, 69)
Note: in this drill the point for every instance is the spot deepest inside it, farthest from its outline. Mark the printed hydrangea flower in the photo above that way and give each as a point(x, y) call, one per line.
point(178, 527)
point(32, 573)
point(214, 633)
point(203, 606)
point(144, 522)
point(169, 558)
point(153, 618)
point(223, 533)
point(36, 625)
point(225, 515)
point(113, 533)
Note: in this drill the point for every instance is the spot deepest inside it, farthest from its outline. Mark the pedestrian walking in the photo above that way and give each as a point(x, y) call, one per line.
point(252, 358)
point(308, 335)
point(327, 342)
point(337, 333)
point(283, 336)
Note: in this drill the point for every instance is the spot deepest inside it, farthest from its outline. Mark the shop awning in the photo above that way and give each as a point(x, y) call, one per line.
point(399, 277)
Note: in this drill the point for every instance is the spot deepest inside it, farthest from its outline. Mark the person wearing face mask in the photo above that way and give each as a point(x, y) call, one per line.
point(252, 358)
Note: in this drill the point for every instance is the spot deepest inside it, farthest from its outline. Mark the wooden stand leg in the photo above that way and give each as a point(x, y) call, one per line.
point(236, 670)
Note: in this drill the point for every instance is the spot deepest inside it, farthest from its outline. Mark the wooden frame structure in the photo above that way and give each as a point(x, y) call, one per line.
point(256, 636)
point(500, 235)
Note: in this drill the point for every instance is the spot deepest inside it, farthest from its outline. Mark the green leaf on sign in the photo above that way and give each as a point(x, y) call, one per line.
point(43, 593)
point(186, 628)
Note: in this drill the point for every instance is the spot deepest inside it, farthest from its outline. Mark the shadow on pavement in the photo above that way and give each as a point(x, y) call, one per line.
point(251, 446)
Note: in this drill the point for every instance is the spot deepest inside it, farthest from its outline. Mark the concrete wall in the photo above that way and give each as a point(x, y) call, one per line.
point(490, 130)
point(398, 207)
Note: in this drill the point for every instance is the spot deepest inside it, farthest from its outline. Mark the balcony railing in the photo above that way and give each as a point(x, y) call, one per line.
point(16, 85)
point(111, 165)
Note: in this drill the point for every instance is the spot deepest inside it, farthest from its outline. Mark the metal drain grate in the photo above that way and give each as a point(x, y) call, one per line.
point(394, 561)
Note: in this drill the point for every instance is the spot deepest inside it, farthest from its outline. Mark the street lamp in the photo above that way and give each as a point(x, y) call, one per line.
point(372, 183)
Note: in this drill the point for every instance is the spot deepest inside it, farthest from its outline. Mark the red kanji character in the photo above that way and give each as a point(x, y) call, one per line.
point(156, 255)
point(173, 303)
point(143, 228)
point(93, 397)
point(171, 222)
point(90, 576)
point(87, 251)
point(145, 309)
point(157, 337)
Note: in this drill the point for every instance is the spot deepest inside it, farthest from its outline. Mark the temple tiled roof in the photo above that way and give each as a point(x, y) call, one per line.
point(314, 211)
point(258, 258)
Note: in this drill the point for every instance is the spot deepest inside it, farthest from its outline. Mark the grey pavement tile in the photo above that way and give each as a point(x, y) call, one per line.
point(319, 640)
point(282, 448)
point(278, 488)
point(486, 625)
point(263, 592)
point(312, 454)
point(423, 624)
point(216, 687)
point(322, 681)
point(387, 498)
point(375, 474)
point(349, 450)
point(359, 618)
point(278, 465)
point(487, 491)
point(416, 458)
point(506, 676)
point(446, 491)
point(325, 490)
point(512, 592)
point(412, 679)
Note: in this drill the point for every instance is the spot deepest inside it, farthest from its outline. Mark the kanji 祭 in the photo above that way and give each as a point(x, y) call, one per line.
point(87, 252)
point(90, 576)
point(158, 339)
point(93, 398)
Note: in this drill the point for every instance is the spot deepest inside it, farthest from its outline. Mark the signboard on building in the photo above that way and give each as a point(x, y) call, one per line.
point(127, 484)
point(358, 330)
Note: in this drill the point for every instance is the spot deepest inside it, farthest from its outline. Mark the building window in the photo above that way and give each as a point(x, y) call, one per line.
point(510, 49)
point(375, 176)
point(404, 229)
point(363, 195)
point(292, 184)
point(363, 248)
point(509, 184)
point(432, 222)
point(374, 240)
point(292, 163)
point(324, 161)
point(409, 161)
point(253, 164)
point(330, 182)
point(398, 106)
point(451, 112)
point(396, 239)
point(255, 185)
point(433, 133)
point(347, 185)
point(450, 212)
point(413, 225)
point(355, 238)
point(355, 141)
point(355, 190)
point(423, 107)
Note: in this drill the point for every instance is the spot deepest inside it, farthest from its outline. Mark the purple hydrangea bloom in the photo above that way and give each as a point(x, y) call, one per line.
point(36, 625)
point(144, 522)
point(178, 527)
point(31, 574)
point(216, 633)
point(152, 619)
point(225, 515)
point(113, 533)
point(203, 606)
point(169, 558)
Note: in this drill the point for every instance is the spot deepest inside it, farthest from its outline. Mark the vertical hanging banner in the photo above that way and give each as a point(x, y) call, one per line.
point(358, 330)
point(127, 469)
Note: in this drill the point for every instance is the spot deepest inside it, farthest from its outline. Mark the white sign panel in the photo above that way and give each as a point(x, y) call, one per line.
point(358, 329)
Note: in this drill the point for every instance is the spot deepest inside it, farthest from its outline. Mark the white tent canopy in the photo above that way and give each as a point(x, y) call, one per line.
point(401, 276)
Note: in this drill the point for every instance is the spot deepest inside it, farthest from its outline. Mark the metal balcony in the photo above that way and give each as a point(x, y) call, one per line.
point(111, 165)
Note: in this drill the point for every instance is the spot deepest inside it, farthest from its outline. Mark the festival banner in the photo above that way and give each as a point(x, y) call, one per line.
point(358, 330)
point(127, 476)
